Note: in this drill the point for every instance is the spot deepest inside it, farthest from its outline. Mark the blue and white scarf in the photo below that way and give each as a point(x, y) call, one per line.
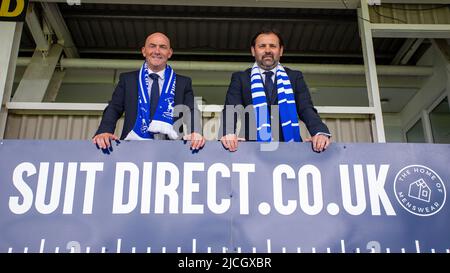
point(162, 121)
point(286, 103)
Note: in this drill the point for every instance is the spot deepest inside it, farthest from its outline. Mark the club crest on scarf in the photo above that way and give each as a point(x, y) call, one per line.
point(170, 102)
point(169, 112)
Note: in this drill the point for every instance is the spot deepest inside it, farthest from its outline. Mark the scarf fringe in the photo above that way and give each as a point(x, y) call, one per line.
point(133, 136)
point(157, 126)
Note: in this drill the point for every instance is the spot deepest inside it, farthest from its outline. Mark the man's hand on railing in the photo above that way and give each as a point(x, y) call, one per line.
point(196, 139)
point(103, 140)
point(230, 142)
point(319, 142)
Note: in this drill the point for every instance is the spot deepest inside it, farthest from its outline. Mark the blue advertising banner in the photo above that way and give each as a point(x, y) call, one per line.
point(158, 196)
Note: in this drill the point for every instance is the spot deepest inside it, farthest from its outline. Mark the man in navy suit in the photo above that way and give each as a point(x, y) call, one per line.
point(127, 97)
point(267, 48)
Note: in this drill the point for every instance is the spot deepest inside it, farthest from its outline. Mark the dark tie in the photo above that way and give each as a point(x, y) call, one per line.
point(154, 94)
point(269, 86)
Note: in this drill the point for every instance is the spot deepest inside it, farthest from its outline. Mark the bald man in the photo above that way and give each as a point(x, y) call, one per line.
point(148, 97)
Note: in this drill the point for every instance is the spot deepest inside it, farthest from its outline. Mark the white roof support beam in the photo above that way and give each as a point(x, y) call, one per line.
point(411, 30)
point(407, 51)
point(60, 28)
point(42, 107)
point(34, 24)
point(9, 49)
point(37, 76)
point(444, 50)
point(373, 91)
point(52, 106)
point(416, 1)
point(319, 69)
point(411, 51)
point(426, 124)
point(54, 86)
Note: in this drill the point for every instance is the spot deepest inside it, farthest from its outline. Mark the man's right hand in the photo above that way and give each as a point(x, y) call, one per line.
point(230, 142)
point(103, 140)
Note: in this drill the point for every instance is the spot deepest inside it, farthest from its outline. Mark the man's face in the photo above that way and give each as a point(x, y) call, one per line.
point(267, 51)
point(157, 51)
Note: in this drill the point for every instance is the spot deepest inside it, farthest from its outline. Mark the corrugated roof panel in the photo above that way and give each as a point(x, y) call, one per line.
point(87, 34)
point(296, 36)
point(338, 44)
point(305, 39)
point(106, 32)
point(311, 35)
point(355, 45)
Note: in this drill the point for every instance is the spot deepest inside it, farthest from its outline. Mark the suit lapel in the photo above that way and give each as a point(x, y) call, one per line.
point(133, 97)
point(179, 90)
point(247, 91)
point(291, 78)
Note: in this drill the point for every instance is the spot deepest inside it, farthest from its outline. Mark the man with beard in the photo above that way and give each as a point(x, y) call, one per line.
point(266, 84)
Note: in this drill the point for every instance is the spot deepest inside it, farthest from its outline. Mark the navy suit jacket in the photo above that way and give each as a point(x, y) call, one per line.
point(125, 100)
point(239, 93)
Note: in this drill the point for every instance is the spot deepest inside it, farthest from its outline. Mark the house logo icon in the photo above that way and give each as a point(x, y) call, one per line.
point(419, 190)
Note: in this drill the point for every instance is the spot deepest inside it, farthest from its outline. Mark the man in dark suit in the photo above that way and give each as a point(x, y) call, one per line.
point(128, 98)
point(267, 48)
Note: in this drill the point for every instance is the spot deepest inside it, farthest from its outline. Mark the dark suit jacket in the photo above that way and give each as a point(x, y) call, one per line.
point(239, 93)
point(125, 99)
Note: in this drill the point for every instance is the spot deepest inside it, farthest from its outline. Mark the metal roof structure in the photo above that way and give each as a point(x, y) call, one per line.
point(207, 33)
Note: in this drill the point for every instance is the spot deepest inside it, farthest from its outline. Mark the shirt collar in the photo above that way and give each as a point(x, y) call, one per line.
point(274, 70)
point(161, 73)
